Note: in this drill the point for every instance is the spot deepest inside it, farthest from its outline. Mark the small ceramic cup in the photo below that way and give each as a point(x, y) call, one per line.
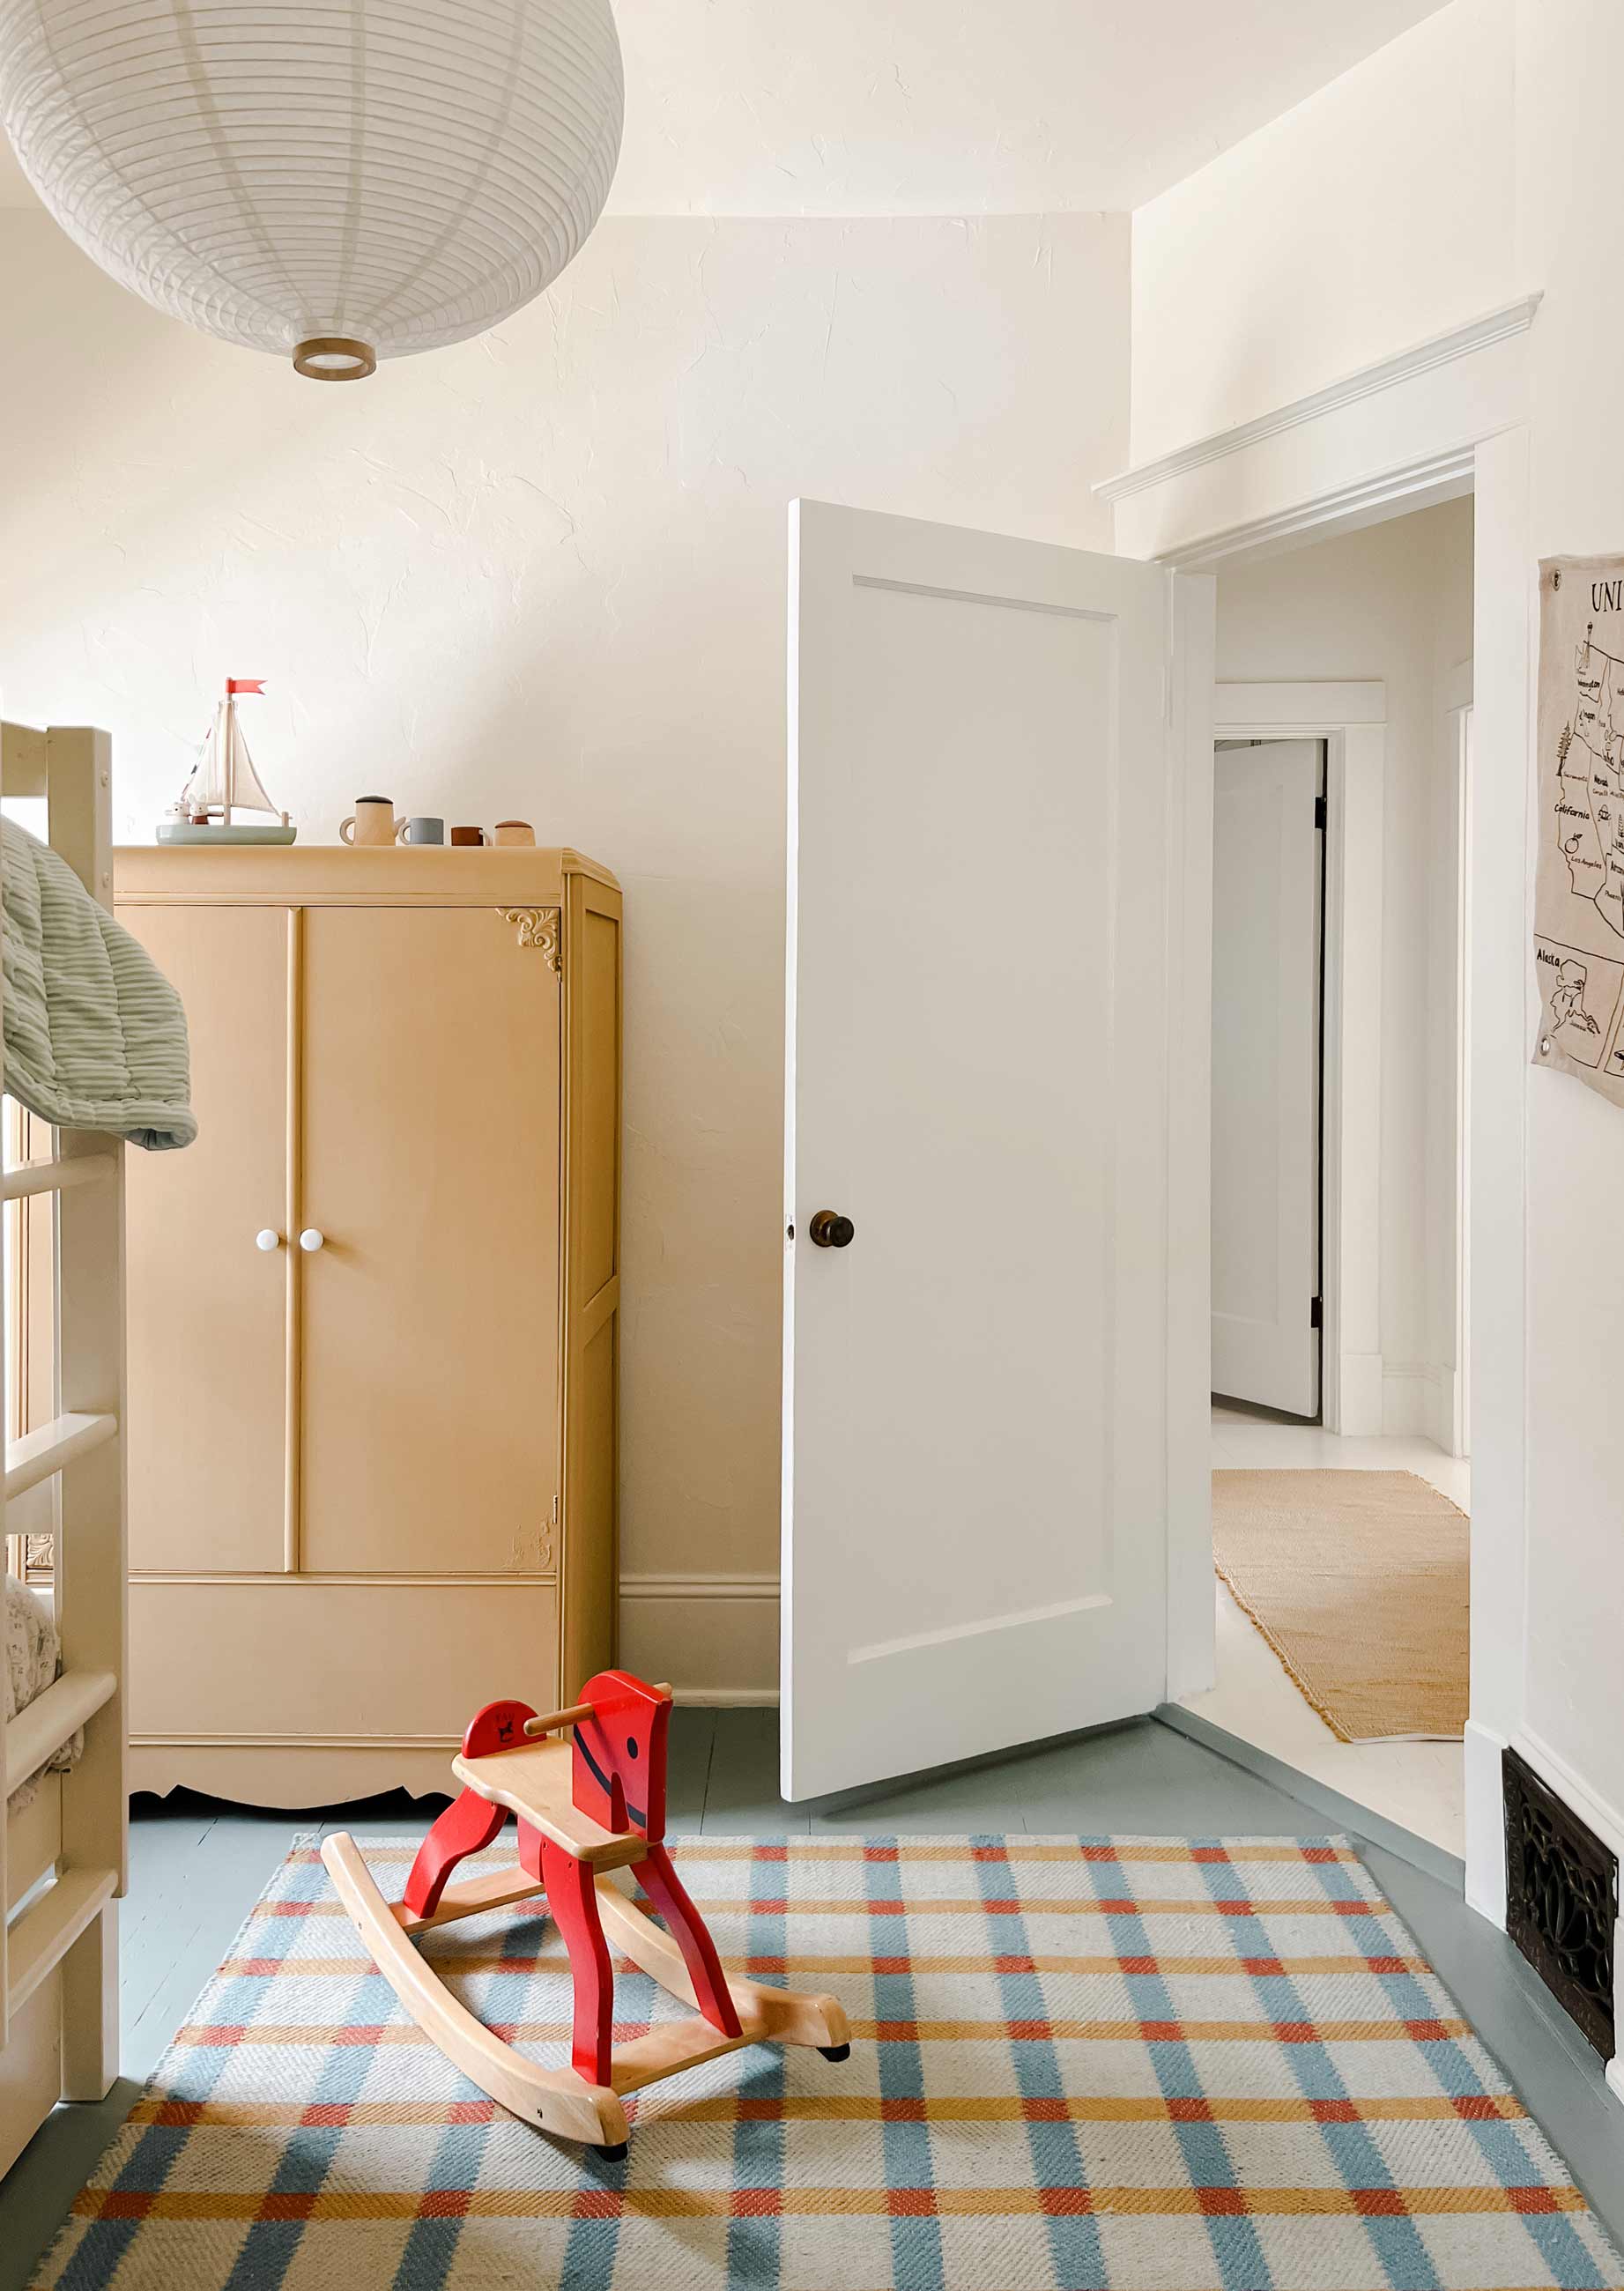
point(422, 831)
point(373, 821)
point(461, 836)
point(515, 830)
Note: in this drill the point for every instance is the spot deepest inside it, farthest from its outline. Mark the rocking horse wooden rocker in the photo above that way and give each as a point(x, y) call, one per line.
point(583, 1809)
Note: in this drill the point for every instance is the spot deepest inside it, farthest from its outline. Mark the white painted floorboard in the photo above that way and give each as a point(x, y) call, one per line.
point(1419, 1785)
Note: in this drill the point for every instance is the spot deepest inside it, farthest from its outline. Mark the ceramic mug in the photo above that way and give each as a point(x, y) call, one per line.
point(422, 831)
point(461, 836)
point(373, 821)
point(515, 830)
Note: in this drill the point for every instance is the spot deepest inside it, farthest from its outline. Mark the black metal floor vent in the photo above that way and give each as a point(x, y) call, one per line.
point(1561, 1901)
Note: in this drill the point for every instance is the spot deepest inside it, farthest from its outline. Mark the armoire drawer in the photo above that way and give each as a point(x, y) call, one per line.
point(335, 1662)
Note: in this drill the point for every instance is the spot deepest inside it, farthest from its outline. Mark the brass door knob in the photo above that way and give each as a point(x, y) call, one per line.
point(830, 1230)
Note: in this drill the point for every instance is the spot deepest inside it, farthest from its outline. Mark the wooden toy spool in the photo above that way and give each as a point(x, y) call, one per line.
point(584, 1808)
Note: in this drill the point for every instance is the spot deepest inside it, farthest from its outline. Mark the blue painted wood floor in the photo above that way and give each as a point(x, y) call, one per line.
point(198, 1867)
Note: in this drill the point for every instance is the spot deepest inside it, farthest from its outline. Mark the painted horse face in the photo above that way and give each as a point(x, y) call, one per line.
point(620, 1753)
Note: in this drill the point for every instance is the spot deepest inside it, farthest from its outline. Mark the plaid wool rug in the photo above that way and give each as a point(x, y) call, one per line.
point(1180, 2065)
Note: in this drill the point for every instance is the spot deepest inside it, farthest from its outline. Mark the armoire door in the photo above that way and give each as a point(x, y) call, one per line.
point(207, 1305)
point(430, 1156)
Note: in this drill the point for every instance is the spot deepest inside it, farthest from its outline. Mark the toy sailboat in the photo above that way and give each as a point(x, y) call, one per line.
point(224, 781)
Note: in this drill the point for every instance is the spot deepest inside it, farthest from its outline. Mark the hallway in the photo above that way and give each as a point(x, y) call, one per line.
point(1418, 1785)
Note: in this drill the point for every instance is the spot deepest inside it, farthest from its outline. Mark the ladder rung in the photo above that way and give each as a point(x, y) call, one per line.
point(57, 1176)
point(43, 1936)
point(38, 1454)
point(39, 1732)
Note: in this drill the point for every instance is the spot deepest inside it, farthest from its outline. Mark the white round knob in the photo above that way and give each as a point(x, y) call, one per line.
point(267, 1238)
point(311, 1239)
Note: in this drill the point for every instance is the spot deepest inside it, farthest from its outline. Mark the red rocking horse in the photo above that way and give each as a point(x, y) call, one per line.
point(583, 1809)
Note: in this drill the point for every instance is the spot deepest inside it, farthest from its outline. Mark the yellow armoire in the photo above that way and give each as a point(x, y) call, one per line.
point(372, 1312)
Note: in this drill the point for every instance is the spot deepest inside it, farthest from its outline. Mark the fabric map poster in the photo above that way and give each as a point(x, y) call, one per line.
point(1579, 822)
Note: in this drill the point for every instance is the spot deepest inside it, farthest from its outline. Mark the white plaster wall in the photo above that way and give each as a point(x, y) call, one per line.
point(1374, 214)
point(754, 106)
point(1392, 603)
point(1569, 63)
point(542, 573)
point(761, 107)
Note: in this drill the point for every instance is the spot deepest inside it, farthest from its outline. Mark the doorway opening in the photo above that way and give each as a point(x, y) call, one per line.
point(1340, 1426)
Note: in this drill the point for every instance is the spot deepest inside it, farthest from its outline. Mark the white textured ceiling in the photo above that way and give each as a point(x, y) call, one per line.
point(953, 107)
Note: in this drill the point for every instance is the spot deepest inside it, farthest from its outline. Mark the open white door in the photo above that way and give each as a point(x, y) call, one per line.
point(1265, 1076)
point(996, 1492)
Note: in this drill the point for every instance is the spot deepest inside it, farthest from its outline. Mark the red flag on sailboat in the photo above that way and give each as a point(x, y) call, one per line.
point(244, 684)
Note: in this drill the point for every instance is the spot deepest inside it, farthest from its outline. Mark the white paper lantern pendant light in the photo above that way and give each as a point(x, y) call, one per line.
point(339, 180)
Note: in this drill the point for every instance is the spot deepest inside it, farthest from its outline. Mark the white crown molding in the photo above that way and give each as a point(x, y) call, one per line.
point(1433, 478)
point(699, 1587)
point(1441, 350)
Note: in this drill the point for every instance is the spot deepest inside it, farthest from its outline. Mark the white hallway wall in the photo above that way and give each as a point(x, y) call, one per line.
point(1392, 603)
point(1514, 106)
point(544, 574)
point(1371, 217)
point(1571, 231)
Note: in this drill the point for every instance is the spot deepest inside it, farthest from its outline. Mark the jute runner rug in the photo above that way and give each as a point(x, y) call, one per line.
point(1358, 1581)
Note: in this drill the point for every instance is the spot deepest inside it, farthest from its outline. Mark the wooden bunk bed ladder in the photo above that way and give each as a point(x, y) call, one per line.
point(58, 1991)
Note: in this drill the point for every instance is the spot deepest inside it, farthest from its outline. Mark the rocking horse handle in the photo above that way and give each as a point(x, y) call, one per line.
point(558, 1719)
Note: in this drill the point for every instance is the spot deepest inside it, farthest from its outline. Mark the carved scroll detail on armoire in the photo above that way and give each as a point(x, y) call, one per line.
point(373, 1313)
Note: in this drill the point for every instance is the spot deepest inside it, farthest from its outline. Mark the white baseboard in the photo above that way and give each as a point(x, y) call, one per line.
point(1359, 1395)
point(1485, 1824)
point(1419, 1397)
point(726, 1698)
point(715, 1637)
point(699, 1587)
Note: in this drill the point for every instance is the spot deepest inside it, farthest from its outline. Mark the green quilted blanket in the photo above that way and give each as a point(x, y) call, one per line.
point(95, 1035)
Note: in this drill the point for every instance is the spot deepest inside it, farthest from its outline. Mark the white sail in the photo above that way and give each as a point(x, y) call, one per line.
point(205, 791)
point(225, 779)
point(243, 789)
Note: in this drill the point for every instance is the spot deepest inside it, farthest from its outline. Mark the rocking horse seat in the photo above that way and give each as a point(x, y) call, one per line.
point(534, 1783)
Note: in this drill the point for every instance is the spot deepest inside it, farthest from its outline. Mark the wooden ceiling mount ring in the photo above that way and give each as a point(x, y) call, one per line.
point(335, 357)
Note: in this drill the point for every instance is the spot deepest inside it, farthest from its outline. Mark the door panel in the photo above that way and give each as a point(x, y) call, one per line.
point(207, 1309)
point(1265, 1020)
point(431, 1168)
point(976, 1403)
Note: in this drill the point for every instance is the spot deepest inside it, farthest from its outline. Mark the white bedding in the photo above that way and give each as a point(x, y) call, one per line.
point(33, 1658)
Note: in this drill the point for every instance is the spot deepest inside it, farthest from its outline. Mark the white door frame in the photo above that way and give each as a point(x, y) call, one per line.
point(1449, 417)
point(1458, 707)
point(1351, 718)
